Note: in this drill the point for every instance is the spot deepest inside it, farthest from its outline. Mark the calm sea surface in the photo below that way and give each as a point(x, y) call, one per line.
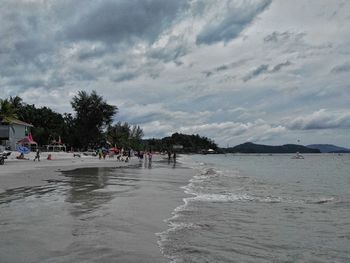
point(262, 208)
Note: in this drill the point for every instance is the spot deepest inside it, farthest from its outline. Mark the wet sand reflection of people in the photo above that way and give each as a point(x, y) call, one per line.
point(169, 156)
point(149, 160)
point(84, 184)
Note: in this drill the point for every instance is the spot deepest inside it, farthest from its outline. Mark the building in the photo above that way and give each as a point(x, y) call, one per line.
point(12, 131)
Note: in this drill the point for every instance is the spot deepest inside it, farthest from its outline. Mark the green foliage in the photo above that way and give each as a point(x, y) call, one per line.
point(48, 125)
point(7, 110)
point(124, 136)
point(191, 143)
point(91, 126)
point(92, 115)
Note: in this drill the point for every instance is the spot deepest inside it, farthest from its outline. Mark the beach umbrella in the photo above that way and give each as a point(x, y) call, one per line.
point(22, 149)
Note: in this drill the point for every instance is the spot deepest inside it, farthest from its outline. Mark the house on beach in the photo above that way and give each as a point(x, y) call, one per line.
point(14, 131)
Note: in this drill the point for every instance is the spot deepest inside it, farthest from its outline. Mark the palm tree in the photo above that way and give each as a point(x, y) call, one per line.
point(7, 110)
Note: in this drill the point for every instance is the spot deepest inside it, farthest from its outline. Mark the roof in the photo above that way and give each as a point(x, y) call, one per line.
point(26, 140)
point(15, 121)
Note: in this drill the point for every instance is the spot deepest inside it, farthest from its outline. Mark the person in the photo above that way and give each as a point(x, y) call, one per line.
point(37, 156)
point(174, 157)
point(169, 155)
point(21, 156)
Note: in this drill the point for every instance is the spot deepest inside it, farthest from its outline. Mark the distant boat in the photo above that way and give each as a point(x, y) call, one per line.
point(297, 156)
point(209, 151)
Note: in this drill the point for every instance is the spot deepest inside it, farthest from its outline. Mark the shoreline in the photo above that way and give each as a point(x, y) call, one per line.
point(27, 173)
point(101, 215)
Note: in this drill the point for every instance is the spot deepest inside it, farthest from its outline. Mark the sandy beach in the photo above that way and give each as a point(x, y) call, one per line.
point(23, 173)
point(72, 209)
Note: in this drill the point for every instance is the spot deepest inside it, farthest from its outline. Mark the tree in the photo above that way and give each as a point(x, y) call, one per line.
point(48, 125)
point(190, 143)
point(125, 136)
point(136, 135)
point(7, 111)
point(93, 114)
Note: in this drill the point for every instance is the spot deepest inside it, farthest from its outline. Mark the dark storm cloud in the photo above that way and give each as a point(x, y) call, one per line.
point(264, 68)
point(232, 23)
point(343, 68)
point(125, 77)
point(90, 54)
point(225, 67)
point(37, 38)
point(175, 48)
point(276, 37)
point(125, 20)
point(281, 65)
point(256, 72)
point(52, 82)
point(207, 73)
point(221, 68)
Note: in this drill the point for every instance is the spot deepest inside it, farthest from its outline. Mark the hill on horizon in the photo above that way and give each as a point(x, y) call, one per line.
point(328, 148)
point(250, 147)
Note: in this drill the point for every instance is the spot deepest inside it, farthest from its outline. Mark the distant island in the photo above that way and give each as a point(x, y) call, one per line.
point(203, 145)
point(250, 147)
point(328, 148)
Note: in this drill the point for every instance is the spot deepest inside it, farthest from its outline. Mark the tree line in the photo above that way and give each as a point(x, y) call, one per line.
point(91, 126)
point(189, 143)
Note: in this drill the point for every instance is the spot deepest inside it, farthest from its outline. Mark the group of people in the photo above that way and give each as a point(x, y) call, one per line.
point(144, 155)
point(37, 156)
point(119, 153)
point(169, 156)
point(102, 153)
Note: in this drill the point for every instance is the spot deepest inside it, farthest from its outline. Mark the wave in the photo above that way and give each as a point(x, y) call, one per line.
point(219, 185)
point(321, 200)
point(164, 236)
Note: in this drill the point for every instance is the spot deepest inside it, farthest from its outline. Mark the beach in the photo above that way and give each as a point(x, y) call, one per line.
point(203, 208)
point(72, 209)
point(24, 173)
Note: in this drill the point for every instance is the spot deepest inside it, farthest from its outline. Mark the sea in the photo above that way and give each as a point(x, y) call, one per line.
point(262, 208)
point(202, 208)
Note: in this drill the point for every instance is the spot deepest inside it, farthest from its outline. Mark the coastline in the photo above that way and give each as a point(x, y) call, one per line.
point(27, 173)
point(101, 215)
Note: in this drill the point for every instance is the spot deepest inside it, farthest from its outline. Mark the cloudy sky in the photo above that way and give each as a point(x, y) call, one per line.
point(265, 71)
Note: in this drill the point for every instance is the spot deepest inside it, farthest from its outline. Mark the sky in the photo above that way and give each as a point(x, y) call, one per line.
point(264, 71)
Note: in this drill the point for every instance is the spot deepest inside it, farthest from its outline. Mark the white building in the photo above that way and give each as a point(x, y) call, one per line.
point(13, 131)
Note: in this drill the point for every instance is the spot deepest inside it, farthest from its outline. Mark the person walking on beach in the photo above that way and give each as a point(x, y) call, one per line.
point(37, 156)
point(169, 155)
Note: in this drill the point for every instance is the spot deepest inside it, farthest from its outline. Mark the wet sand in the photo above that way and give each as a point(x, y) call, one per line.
point(90, 214)
point(24, 173)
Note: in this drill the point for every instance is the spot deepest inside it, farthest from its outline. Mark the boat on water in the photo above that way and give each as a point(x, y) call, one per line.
point(209, 151)
point(297, 156)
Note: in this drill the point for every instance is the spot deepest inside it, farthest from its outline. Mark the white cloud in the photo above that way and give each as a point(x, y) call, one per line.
point(321, 119)
point(230, 70)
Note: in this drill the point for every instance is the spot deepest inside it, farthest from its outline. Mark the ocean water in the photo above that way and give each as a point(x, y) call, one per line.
point(226, 208)
point(262, 208)
point(91, 215)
